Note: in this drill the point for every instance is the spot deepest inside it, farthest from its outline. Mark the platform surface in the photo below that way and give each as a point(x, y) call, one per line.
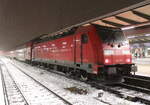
point(143, 66)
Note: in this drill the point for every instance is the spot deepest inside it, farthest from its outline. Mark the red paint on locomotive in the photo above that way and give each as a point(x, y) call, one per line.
point(94, 49)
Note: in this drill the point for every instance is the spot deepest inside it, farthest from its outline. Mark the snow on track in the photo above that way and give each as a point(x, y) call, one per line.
point(14, 95)
point(58, 83)
point(133, 93)
point(33, 91)
point(2, 97)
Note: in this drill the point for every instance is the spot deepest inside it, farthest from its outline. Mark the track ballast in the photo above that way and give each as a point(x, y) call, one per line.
point(28, 88)
point(109, 89)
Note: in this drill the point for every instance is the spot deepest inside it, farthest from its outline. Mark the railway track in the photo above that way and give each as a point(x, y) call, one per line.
point(139, 81)
point(12, 93)
point(113, 89)
point(110, 89)
point(28, 88)
point(134, 87)
point(120, 93)
point(106, 103)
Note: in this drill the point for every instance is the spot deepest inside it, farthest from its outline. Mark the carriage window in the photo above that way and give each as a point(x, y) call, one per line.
point(84, 38)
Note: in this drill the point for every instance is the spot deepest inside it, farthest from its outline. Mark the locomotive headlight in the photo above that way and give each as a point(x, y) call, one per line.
point(128, 60)
point(108, 52)
point(106, 60)
point(126, 52)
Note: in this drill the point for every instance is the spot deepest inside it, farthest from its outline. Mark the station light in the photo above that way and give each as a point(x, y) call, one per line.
point(147, 35)
point(127, 28)
point(20, 50)
point(130, 37)
point(20, 54)
point(11, 52)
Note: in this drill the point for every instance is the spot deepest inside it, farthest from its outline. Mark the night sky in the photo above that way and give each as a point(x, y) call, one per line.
point(23, 20)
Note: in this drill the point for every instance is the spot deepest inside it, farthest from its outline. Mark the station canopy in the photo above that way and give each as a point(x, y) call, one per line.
point(134, 17)
point(135, 23)
point(24, 20)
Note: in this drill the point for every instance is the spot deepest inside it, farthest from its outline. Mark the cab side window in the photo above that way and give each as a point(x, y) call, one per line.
point(84, 38)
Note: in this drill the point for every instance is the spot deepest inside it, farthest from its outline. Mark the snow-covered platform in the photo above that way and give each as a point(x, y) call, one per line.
point(143, 66)
point(143, 69)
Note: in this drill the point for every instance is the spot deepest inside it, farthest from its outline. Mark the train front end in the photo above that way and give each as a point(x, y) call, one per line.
point(117, 59)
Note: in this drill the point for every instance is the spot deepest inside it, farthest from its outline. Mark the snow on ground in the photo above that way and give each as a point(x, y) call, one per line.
point(143, 69)
point(132, 92)
point(57, 83)
point(1, 92)
point(28, 87)
point(143, 65)
point(13, 93)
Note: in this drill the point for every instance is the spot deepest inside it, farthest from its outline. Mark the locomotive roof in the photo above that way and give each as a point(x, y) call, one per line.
point(72, 31)
point(107, 28)
point(53, 37)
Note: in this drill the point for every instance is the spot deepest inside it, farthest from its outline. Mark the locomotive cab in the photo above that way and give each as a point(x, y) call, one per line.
point(117, 59)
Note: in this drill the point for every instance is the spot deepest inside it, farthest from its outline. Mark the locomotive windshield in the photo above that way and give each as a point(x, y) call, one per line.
point(110, 35)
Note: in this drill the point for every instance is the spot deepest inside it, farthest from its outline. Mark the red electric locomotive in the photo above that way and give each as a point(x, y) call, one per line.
point(86, 51)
